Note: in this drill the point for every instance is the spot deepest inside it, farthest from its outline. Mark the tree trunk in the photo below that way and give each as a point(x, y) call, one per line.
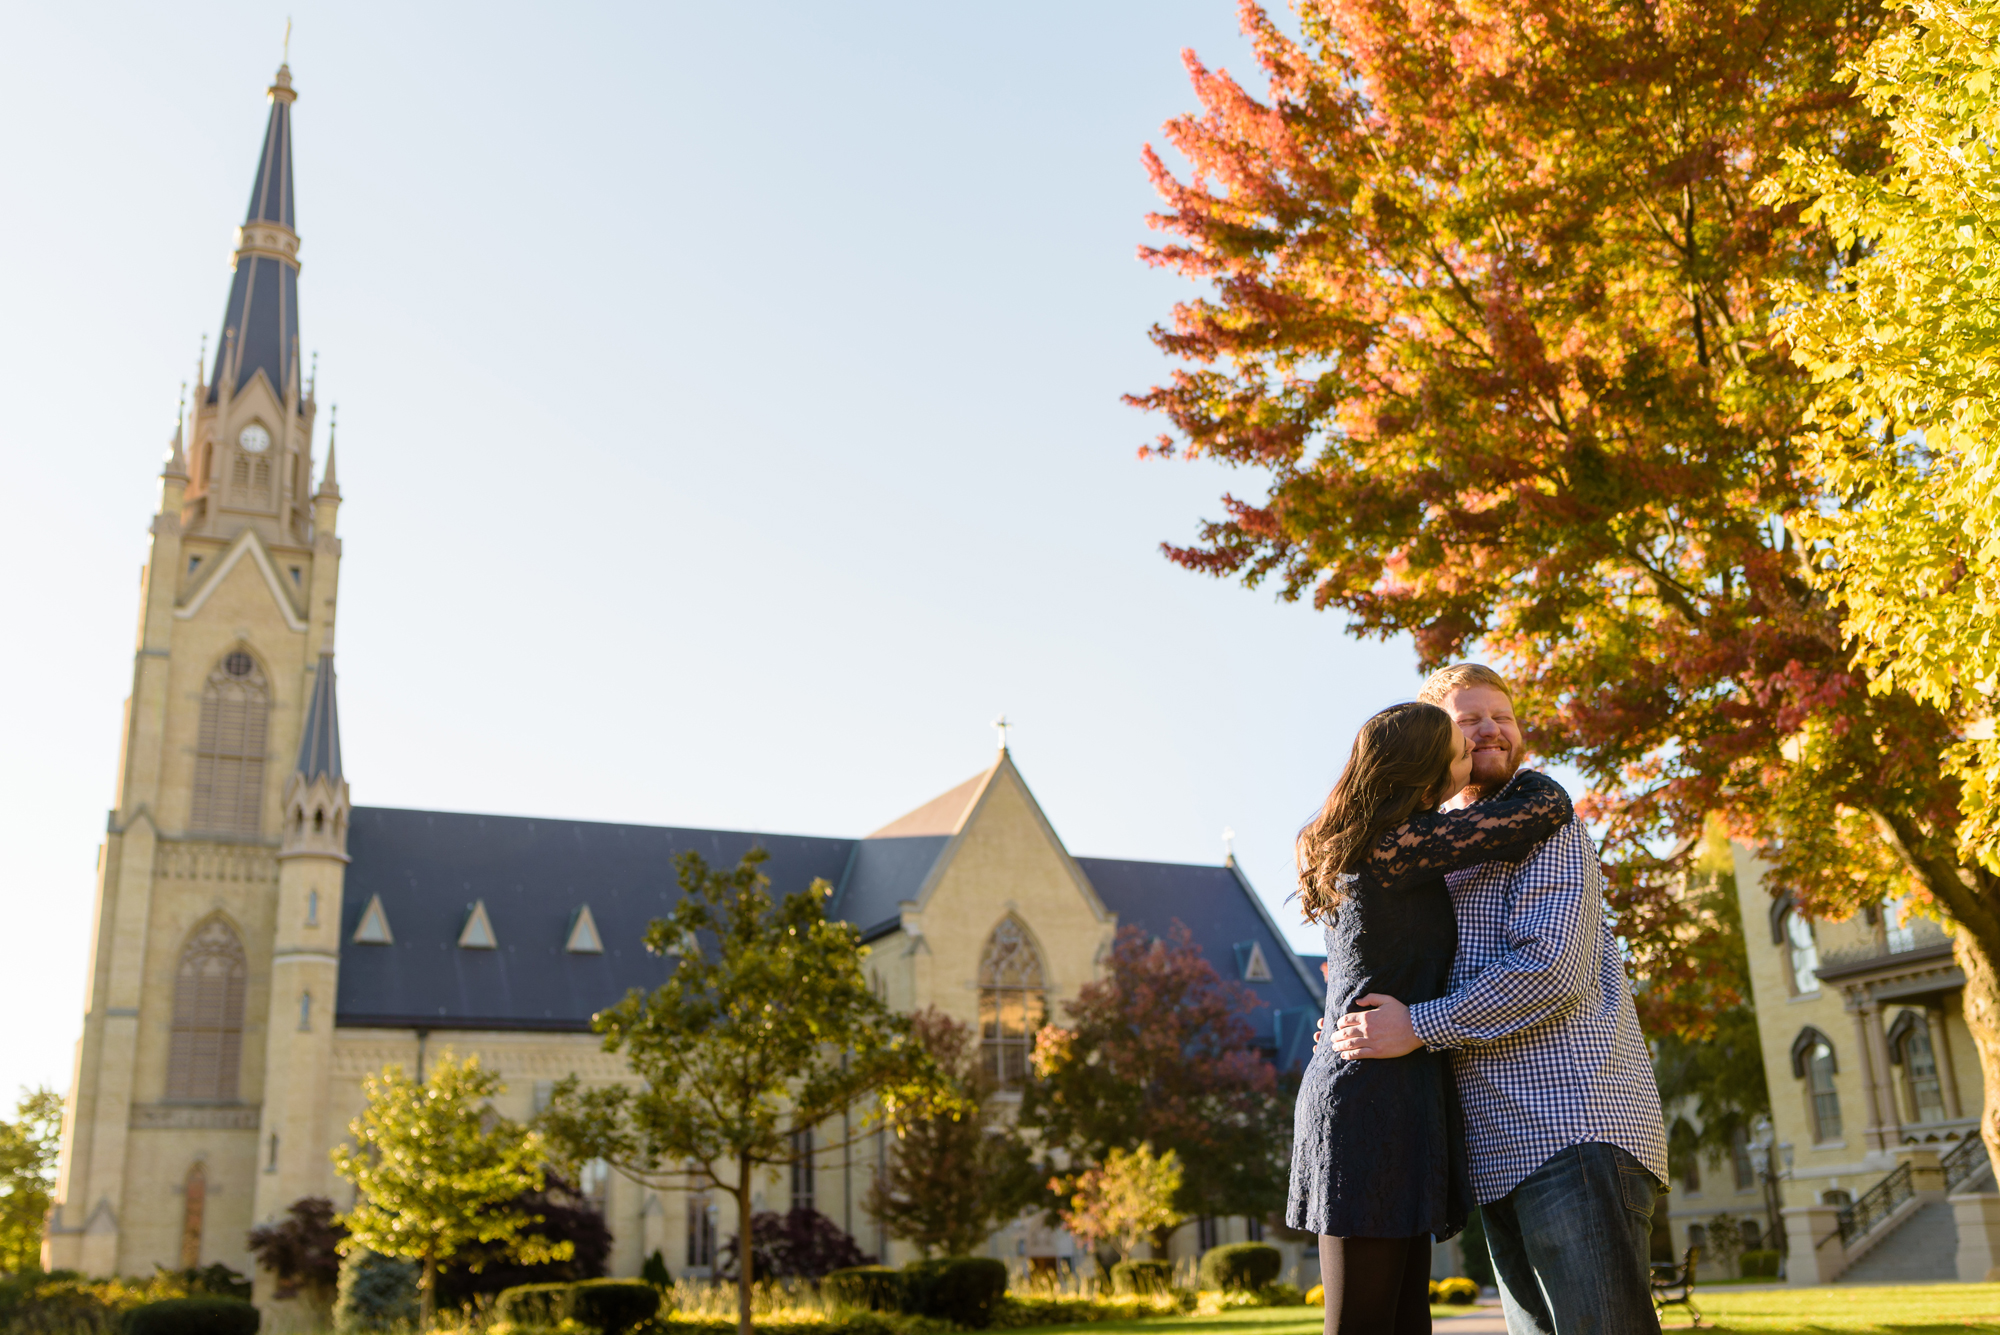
point(746, 1250)
point(427, 1294)
point(1982, 1017)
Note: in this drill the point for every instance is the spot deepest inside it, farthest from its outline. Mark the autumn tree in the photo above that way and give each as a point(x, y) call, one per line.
point(957, 1172)
point(1126, 1200)
point(437, 1174)
point(1159, 1051)
point(766, 1027)
point(1487, 314)
point(1905, 431)
point(28, 1149)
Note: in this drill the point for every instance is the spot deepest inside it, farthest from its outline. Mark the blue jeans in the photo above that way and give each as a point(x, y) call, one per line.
point(1571, 1246)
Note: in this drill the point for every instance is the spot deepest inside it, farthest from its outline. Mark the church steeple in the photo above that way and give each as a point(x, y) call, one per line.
point(250, 451)
point(263, 310)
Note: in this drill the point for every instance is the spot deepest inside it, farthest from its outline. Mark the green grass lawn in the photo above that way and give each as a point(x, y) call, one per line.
point(1909, 1309)
point(1916, 1309)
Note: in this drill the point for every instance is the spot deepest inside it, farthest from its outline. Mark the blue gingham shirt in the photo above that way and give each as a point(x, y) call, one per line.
point(1539, 1019)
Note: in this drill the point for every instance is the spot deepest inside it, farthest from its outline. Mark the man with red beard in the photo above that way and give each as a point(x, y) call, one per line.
point(1562, 1115)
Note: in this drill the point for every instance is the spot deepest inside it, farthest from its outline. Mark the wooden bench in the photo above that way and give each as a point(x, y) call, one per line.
point(1673, 1285)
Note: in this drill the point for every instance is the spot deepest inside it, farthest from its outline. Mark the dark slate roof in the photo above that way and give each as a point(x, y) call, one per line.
point(883, 874)
point(430, 868)
point(1222, 911)
point(263, 304)
point(319, 747)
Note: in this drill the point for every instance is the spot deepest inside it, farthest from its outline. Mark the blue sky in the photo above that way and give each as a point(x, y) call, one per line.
point(729, 423)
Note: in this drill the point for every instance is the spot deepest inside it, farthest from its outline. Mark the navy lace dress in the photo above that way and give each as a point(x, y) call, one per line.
point(1378, 1150)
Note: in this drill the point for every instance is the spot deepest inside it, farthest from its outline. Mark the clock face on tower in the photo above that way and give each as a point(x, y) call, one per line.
point(255, 439)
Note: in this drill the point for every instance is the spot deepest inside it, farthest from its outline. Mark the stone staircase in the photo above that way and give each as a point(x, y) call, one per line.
point(1919, 1240)
point(1924, 1246)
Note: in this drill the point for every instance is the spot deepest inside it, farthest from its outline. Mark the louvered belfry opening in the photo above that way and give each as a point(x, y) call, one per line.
point(207, 1047)
point(229, 750)
point(1012, 992)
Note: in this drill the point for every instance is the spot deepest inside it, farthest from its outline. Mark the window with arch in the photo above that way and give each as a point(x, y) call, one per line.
point(1012, 991)
point(206, 1049)
point(1802, 953)
point(1910, 1047)
point(229, 748)
point(1813, 1062)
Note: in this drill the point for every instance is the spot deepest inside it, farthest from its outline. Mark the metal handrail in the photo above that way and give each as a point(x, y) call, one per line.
point(1876, 1204)
point(1963, 1162)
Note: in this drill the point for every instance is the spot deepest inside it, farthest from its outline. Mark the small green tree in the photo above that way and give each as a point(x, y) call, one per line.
point(957, 1172)
point(766, 1027)
point(1127, 1200)
point(438, 1173)
point(28, 1147)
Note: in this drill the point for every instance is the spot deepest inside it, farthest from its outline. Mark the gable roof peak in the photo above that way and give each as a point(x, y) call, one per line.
point(943, 814)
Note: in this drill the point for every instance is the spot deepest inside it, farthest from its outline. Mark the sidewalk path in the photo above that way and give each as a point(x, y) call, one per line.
point(1481, 1321)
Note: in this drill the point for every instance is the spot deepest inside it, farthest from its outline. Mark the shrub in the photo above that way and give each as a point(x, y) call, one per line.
point(1316, 1296)
point(613, 1306)
point(1456, 1291)
point(960, 1289)
point(63, 1301)
point(1760, 1264)
point(209, 1281)
point(800, 1244)
point(655, 1271)
point(193, 1316)
point(377, 1293)
point(301, 1251)
point(563, 1217)
point(1142, 1276)
point(1240, 1265)
point(874, 1288)
point(533, 1304)
point(1282, 1295)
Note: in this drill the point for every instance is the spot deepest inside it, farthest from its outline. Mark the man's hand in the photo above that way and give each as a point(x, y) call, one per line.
point(1382, 1032)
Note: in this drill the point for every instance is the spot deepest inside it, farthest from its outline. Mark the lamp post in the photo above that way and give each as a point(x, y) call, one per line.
point(1765, 1162)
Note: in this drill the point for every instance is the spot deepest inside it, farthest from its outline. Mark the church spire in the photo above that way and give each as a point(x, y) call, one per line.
point(263, 310)
point(319, 747)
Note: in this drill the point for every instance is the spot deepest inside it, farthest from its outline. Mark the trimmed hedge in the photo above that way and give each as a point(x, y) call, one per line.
point(533, 1304)
point(963, 1290)
point(612, 1306)
point(193, 1316)
point(870, 1288)
point(1456, 1291)
point(1760, 1264)
point(1240, 1265)
point(1142, 1276)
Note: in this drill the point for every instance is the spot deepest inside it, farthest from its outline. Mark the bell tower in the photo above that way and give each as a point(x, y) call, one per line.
point(212, 962)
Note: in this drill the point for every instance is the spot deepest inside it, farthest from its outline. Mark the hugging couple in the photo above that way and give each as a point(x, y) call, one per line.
point(1484, 1047)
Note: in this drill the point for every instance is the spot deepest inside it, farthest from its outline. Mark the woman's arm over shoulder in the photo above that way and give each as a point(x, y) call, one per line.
point(1528, 810)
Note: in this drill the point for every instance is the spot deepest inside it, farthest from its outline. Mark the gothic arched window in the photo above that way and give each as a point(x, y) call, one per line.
point(1910, 1048)
point(229, 749)
point(1011, 995)
point(1802, 952)
point(207, 1044)
point(1813, 1061)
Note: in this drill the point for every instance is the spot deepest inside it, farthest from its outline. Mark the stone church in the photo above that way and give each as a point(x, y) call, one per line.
point(260, 945)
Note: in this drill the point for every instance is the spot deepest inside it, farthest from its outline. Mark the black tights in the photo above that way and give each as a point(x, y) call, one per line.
point(1383, 1285)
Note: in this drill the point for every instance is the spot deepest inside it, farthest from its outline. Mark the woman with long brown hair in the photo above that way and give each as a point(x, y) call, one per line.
point(1378, 1154)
